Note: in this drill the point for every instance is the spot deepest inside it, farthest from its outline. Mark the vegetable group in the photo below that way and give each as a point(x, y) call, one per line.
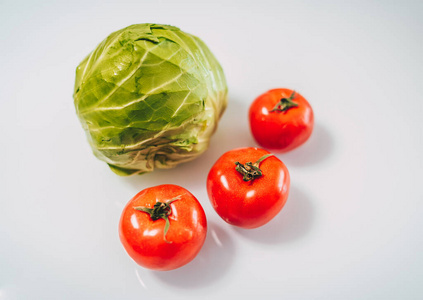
point(281, 120)
point(149, 96)
point(248, 187)
point(163, 227)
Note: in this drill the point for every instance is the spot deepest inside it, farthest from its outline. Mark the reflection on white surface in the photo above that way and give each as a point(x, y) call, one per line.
point(216, 238)
point(140, 279)
point(134, 222)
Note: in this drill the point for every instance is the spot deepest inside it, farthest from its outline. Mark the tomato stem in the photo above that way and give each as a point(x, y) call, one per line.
point(285, 103)
point(160, 210)
point(249, 170)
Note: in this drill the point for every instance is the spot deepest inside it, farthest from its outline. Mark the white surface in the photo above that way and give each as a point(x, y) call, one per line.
point(351, 228)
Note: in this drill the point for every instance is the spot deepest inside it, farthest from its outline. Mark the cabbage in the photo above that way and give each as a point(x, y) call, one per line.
point(149, 96)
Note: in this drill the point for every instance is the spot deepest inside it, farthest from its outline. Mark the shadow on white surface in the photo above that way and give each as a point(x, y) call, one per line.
point(211, 264)
point(187, 175)
point(292, 223)
point(316, 150)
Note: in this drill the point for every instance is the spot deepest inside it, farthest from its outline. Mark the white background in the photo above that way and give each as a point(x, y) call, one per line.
point(352, 226)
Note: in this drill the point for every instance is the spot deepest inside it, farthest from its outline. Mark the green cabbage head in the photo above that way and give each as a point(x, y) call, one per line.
point(149, 96)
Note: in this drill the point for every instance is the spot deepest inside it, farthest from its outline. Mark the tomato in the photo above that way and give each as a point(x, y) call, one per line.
point(281, 120)
point(163, 227)
point(248, 186)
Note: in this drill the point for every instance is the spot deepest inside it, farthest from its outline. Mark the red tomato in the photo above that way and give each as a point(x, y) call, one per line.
point(281, 120)
point(247, 194)
point(163, 227)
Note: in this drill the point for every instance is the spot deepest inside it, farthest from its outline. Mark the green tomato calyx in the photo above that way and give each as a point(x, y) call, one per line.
point(249, 170)
point(160, 210)
point(285, 103)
